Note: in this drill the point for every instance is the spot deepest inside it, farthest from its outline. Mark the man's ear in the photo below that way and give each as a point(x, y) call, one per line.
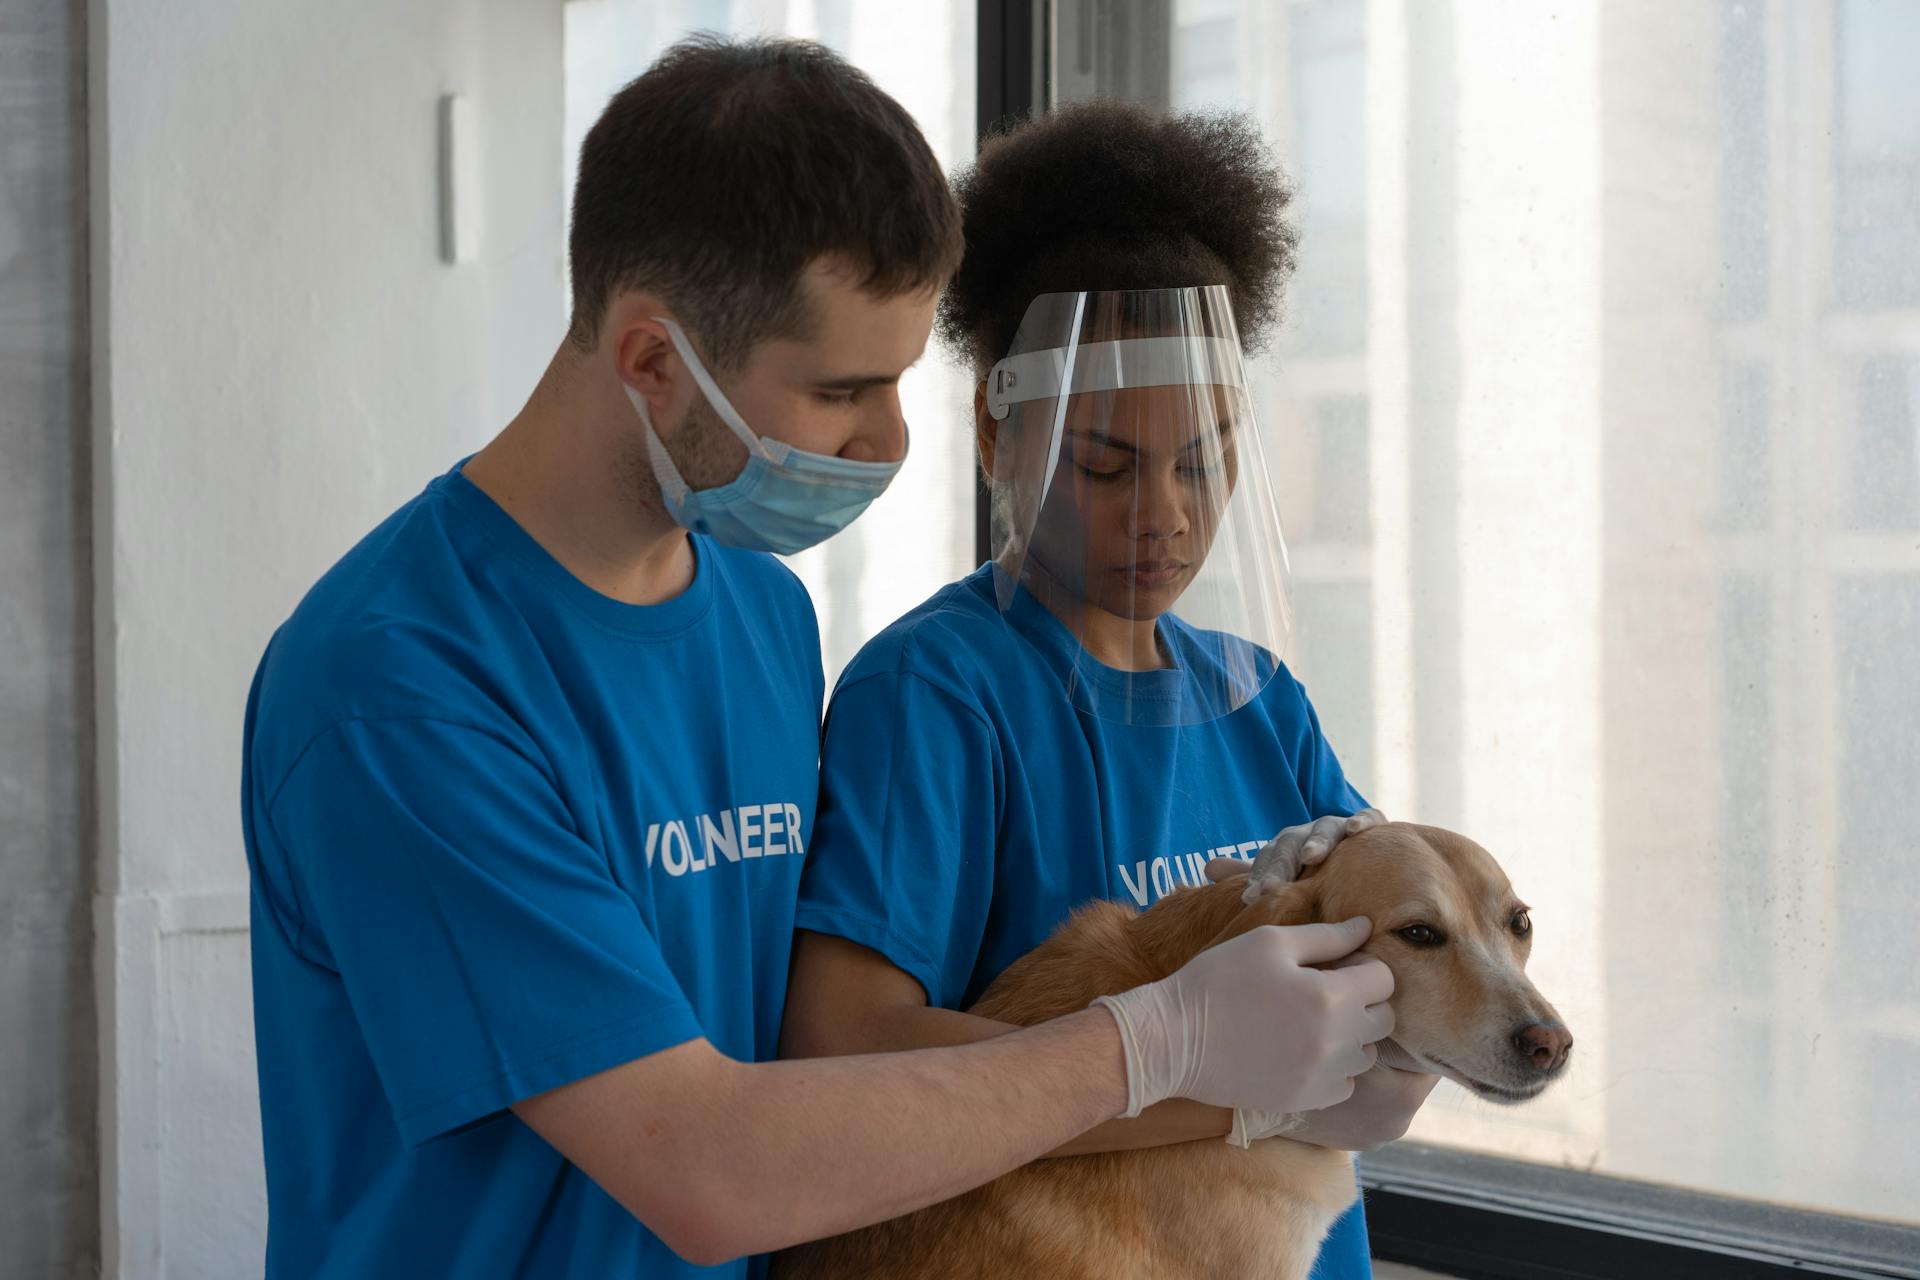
point(986, 428)
point(644, 358)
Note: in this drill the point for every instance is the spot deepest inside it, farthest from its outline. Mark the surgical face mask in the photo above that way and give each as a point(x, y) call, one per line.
point(784, 500)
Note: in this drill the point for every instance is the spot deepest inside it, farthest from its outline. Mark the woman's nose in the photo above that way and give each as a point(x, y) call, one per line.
point(1159, 506)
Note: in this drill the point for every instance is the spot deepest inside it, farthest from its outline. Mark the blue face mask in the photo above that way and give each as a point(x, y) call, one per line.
point(784, 500)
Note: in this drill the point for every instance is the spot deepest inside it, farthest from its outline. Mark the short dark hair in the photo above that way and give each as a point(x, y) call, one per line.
point(718, 176)
point(1111, 195)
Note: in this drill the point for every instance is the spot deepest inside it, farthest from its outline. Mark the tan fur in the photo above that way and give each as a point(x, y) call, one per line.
point(1207, 1209)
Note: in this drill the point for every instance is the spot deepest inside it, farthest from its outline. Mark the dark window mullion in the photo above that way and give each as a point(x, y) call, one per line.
point(1008, 71)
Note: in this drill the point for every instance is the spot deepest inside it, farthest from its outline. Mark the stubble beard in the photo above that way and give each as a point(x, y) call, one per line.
point(706, 452)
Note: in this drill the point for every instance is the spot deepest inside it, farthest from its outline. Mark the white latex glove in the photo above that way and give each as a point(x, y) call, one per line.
point(1300, 847)
point(1382, 1106)
point(1248, 1023)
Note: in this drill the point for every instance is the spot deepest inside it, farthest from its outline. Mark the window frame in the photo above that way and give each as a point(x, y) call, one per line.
point(1010, 45)
point(1458, 1212)
point(1488, 1218)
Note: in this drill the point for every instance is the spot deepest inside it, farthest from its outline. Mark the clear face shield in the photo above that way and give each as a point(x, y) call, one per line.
point(1131, 502)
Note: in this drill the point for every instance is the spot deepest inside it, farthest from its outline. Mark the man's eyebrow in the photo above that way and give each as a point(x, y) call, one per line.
point(858, 381)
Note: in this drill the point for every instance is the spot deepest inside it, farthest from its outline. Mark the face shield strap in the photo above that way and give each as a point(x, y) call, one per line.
point(1112, 366)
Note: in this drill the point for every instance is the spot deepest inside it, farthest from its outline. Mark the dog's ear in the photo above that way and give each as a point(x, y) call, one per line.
point(1274, 902)
point(1294, 902)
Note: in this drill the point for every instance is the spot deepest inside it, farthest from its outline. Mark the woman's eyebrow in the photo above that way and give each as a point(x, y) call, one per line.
point(1222, 432)
point(1102, 439)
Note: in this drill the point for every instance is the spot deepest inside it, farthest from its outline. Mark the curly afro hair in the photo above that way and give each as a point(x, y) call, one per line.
point(1110, 195)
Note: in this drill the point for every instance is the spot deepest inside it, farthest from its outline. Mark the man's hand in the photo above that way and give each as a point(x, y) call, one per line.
point(1383, 1105)
point(1297, 848)
point(1253, 1021)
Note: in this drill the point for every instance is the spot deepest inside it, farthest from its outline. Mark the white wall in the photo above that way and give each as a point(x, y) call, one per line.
point(281, 358)
point(47, 1150)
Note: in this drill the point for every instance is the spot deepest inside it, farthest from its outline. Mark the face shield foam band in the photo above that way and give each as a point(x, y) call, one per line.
point(1113, 366)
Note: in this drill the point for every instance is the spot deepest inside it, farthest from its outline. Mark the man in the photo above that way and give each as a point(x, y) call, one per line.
point(529, 775)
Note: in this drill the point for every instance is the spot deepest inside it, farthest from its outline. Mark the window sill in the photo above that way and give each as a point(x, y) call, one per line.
point(1476, 1216)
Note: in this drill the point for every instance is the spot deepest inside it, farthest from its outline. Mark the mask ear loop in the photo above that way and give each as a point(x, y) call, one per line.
point(716, 397)
point(672, 487)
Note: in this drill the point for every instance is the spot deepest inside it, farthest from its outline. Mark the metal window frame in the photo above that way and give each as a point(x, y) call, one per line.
point(1488, 1218)
point(1011, 56)
point(1477, 1216)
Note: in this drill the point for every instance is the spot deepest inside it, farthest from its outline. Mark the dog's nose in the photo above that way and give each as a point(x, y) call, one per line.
point(1545, 1045)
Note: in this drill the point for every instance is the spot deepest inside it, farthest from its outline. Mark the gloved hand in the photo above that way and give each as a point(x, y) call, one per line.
point(1382, 1106)
point(1248, 1023)
point(1300, 847)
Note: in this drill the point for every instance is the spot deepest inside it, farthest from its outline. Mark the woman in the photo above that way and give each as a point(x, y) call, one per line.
point(1100, 711)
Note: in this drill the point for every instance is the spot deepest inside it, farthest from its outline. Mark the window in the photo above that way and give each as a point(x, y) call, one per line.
point(1877, 154)
point(920, 534)
point(1597, 424)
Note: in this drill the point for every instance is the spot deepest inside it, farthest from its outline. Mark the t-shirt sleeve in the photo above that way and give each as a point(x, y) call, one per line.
point(1323, 783)
point(903, 851)
point(485, 948)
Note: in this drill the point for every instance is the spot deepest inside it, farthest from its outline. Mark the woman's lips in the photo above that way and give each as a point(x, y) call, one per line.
point(1152, 573)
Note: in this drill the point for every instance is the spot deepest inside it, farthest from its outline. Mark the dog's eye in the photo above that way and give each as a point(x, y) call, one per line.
point(1522, 924)
point(1422, 935)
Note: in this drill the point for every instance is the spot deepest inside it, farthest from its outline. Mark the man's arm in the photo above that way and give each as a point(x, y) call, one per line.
point(847, 999)
point(721, 1159)
point(844, 998)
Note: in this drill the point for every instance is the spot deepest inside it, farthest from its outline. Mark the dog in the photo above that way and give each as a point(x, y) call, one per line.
point(1445, 921)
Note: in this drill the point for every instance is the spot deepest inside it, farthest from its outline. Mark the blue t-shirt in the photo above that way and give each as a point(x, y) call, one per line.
point(505, 833)
point(969, 803)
